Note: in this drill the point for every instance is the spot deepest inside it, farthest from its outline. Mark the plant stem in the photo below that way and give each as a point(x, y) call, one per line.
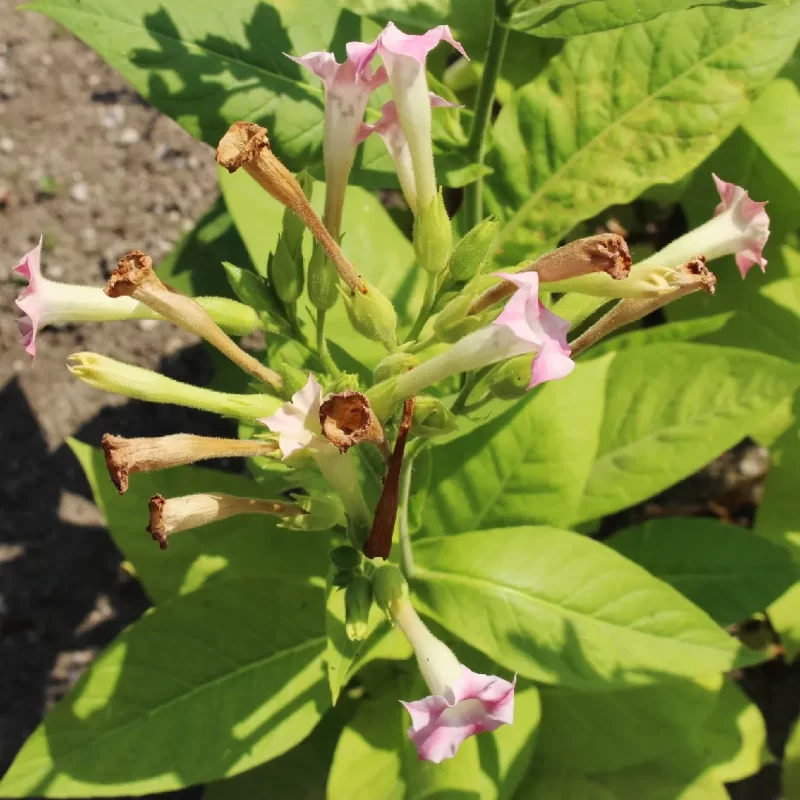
point(476, 145)
point(322, 346)
point(406, 553)
point(425, 311)
point(459, 404)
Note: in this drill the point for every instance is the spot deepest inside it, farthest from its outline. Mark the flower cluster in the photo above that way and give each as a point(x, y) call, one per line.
point(495, 330)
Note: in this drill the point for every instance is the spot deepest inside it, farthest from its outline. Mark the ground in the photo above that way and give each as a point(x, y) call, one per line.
point(91, 167)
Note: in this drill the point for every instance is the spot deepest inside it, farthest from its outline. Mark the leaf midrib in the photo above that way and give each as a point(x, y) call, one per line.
point(473, 582)
point(312, 91)
point(519, 216)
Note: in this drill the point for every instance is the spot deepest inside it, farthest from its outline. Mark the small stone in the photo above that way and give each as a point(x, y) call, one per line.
point(79, 192)
point(113, 117)
point(129, 136)
point(47, 59)
point(6, 144)
point(54, 271)
point(149, 324)
point(755, 462)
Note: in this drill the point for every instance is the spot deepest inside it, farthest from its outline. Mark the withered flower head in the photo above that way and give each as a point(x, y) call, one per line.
point(348, 419)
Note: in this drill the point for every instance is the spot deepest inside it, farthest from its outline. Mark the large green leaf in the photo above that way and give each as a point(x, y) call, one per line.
point(656, 780)
point(206, 685)
point(672, 408)
point(245, 545)
point(527, 466)
point(563, 609)
point(577, 17)
point(619, 111)
point(791, 765)
point(726, 570)
point(375, 760)
point(210, 64)
point(777, 521)
point(648, 721)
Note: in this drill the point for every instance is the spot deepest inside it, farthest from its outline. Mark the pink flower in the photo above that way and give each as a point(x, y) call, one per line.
point(404, 57)
point(390, 130)
point(462, 703)
point(529, 321)
point(45, 302)
point(749, 219)
point(739, 227)
point(347, 90)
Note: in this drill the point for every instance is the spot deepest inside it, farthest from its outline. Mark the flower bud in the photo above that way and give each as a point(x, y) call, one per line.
point(322, 513)
point(372, 315)
point(236, 319)
point(433, 418)
point(345, 557)
point(433, 236)
point(357, 605)
point(294, 378)
point(343, 578)
point(389, 587)
point(253, 290)
point(394, 364)
point(343, 382)
point(509, 379)
point(474, 249)
point(323, 281)
point(144, 384)
point(454, 321)
point(285, 271)
point(293, 226)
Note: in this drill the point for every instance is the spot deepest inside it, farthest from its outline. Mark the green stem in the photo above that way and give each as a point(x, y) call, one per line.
point(460, 403)
point(476, 145)
point(406, 553)
point(322, 346)
point(425, 311)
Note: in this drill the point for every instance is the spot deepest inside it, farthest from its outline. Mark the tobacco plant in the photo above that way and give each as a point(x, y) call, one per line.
point(501, 259)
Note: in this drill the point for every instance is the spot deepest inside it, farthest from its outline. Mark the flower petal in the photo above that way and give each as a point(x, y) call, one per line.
point(30, 269)
point(416, 46)
point(550, 364)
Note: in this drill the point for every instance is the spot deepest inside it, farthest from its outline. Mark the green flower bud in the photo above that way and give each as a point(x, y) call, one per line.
point(345, 557)
point(343, 382)
point(323, 512)
point(453, 323)
point(432, 417)
point(293, 226)
point(343, 579)
point(433, 236)
point(394, 364)
point(509, 379)
point(323, 280)
point(474, 249)
point(236, 319)
point(389, 586)
point(372, 315)
point(286, 272)
point(357, 604)
point(253, 290)
point(294, 378)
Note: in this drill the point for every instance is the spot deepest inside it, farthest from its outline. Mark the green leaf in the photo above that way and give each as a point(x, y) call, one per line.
point(565, 18)
point(209, 65)
point(656, 780)
point(619, 111)
point(245, 545)
point(527, 466)
point(648, 721)
point(672, 408)
point(194, 266)
point(733, 740)
point(563, 609)
point(375, 760)
point(777, 521)
point(300, 774)
point(791, 765)
point(726, 570)
point(205, 686)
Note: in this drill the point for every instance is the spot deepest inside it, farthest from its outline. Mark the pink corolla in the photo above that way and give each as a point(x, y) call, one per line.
point(462, 703)
point(739, 227)
point(299, 430)
point(45, 302)
point(524, 326)
point(347, 89)
point(404, 57)
point(390, 130)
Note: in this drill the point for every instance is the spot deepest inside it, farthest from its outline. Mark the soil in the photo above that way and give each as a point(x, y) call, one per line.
point(86, 163)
